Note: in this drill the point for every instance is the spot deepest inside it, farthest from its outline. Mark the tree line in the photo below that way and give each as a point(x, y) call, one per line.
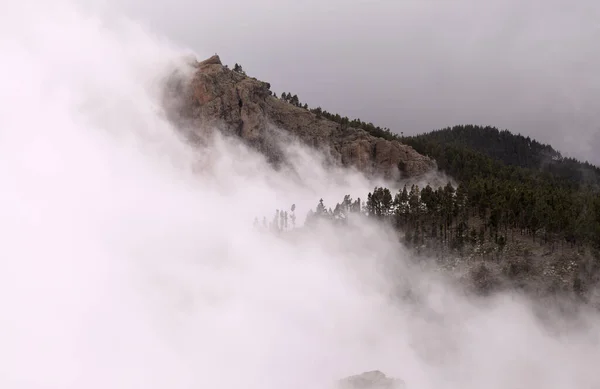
point(478, 212)
point(499, 197)
point(343, 121)
point(509, 185)
point(465, 150)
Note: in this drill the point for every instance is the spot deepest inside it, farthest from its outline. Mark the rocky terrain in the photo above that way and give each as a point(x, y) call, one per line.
point(371, 380)
point(218, 97)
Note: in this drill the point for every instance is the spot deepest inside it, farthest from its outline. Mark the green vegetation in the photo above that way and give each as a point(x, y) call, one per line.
point(512, 189)
point(238, 68)
point(510, 184)
point(517, 183)
point(496, 223)
point(454, 148)
point(450, 217)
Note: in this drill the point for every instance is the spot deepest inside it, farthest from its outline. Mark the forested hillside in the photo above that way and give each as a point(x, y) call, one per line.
point(548, 240)
point(454, 147)
point(512, 191)
point(508, 182)
point(517, 183)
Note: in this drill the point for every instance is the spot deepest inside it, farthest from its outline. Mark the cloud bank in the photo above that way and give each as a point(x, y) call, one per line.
point(129, 259)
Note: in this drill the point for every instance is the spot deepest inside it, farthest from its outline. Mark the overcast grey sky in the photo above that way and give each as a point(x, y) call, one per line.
point(530, 66)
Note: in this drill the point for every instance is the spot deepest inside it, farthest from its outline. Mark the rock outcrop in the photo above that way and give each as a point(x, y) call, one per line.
point(218, 97)
point(371, 380)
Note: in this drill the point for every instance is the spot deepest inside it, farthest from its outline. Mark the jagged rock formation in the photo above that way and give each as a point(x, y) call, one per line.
point(218, 97)
point(371, 380)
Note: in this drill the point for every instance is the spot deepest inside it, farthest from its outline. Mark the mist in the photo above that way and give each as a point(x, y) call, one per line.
point(129, 258)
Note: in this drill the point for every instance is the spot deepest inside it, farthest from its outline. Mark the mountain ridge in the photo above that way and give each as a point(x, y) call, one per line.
point(516, 198)
point(239, 105)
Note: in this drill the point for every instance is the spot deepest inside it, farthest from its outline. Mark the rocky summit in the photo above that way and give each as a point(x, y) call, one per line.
point(229, 100)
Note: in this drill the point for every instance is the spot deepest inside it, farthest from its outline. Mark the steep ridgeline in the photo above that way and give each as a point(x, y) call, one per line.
point(218, 97)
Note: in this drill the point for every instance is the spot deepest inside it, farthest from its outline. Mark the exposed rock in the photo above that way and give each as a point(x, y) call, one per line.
point(218, 97)
point(371, 380)
point(214, 60)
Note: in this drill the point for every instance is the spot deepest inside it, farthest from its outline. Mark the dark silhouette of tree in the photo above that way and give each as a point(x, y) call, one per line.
point(238, 68)
point(295, 101)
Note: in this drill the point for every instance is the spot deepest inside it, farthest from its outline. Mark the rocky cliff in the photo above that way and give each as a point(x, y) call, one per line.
point(217, 97)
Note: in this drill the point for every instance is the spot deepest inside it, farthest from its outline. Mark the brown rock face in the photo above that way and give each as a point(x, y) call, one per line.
point(237, 104)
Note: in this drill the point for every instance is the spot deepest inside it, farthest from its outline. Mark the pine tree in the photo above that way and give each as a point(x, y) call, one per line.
point(294, 100)
point(238, 68)
point(293, 215)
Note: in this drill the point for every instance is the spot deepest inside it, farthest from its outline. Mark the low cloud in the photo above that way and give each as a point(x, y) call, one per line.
point(129, 258)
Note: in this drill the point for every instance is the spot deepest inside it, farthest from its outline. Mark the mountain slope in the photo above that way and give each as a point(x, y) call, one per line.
point(508, 149)
point(245, 107)
point(512, 184)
